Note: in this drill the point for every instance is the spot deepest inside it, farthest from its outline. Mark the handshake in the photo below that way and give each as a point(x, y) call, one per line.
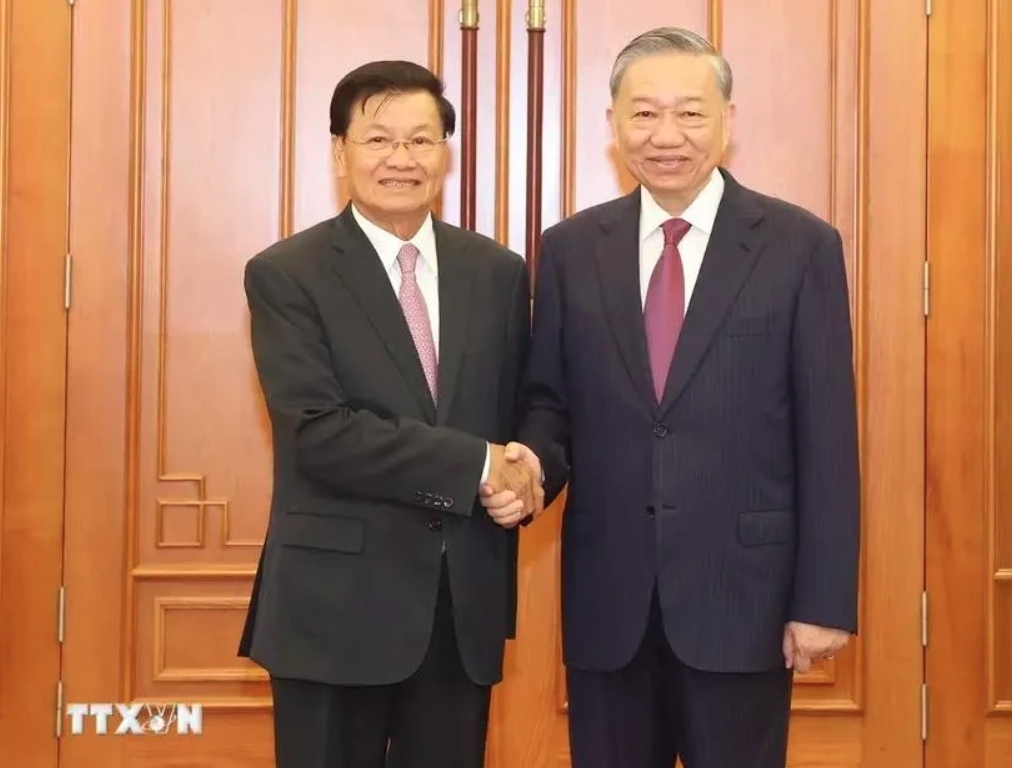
point(513, 490)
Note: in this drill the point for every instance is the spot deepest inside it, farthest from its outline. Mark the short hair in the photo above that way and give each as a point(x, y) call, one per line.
point(386, 77)
point(671, 40)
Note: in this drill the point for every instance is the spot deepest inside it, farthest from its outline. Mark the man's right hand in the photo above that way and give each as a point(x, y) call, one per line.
point(510, 494)
point(513, 489)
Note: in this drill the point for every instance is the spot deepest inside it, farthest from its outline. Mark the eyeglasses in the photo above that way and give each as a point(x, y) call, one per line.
point(381, 146)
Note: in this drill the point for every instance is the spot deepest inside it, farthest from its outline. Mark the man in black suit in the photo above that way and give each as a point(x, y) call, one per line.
point(691, 353)
point(389, 348)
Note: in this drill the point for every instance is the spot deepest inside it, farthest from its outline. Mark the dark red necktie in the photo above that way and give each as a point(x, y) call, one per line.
point(665, 304)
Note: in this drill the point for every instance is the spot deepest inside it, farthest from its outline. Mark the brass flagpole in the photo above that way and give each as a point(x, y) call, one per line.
point(468, 110)
point(535, 121)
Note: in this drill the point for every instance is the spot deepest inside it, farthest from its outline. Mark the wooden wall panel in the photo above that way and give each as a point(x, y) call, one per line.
point(327, 47)
point(999, 502)
point(601, 28)
point(102, 160)
point(193, 401)
point(890, 231)
point(162, 382)
point(969, 352)
point(34, 119)
point(785, 132)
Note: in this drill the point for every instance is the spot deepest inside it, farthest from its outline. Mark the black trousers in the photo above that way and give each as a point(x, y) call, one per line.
point(657, 709)
point(438, 718)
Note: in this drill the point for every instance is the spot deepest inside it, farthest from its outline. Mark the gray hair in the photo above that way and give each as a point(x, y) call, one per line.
point(671, 40)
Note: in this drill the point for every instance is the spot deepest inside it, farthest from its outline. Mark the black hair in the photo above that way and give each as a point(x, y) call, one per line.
point(386, 77)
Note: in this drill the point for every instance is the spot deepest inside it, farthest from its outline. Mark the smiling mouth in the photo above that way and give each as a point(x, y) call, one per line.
point(670, 162)
point(399, 183)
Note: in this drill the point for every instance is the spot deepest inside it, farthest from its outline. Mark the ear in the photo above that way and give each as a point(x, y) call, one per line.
point(610, 115)
point(338, 148)
point(730, 109)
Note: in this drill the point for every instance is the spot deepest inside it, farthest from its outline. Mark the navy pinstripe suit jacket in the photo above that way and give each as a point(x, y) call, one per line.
point(738, 495)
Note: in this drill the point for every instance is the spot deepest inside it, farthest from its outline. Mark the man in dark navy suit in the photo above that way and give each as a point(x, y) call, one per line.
point(691, 356)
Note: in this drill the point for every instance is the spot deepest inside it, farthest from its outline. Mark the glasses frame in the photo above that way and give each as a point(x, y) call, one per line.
point(393, 144)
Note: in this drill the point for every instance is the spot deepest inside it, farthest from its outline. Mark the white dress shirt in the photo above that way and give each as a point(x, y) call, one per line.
point(700, 215)
point(387, 246)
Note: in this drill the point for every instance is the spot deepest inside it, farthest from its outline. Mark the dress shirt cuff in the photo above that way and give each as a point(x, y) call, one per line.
point(488, 460)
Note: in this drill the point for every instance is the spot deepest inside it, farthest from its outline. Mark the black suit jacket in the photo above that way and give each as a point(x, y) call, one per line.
point(369, 476)
point(738, 495)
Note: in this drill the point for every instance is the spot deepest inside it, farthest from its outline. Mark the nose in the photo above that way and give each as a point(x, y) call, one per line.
point(667, 132)
point(400, 157)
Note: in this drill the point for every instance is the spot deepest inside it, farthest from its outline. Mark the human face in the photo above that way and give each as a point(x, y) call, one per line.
point(394, 185)
point(671, 125)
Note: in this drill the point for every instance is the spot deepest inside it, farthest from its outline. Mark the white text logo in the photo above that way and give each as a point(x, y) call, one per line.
point(125, 719)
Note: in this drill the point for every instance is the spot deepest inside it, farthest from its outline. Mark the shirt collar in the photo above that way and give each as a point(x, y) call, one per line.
point(700, 214)
point(388, 245)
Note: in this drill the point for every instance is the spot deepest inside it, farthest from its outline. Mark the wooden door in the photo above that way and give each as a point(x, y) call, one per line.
point(199, 137)
point(969, 405)
point(34, 145)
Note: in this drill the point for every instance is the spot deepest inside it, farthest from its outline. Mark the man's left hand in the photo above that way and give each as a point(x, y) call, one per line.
point(806, 644)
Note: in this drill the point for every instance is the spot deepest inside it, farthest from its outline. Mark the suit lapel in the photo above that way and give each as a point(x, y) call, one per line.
point(359, 267)
point(455, 301)
point(617, 256)
point(734, 246)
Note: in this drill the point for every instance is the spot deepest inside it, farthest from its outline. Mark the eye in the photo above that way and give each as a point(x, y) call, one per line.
point(423, 142)
point(377, 141)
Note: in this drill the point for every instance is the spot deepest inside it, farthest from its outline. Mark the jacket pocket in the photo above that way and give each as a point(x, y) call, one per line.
point(335, 533)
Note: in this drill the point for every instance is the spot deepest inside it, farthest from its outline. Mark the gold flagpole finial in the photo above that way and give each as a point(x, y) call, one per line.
point(469, 14)
point(535, 15)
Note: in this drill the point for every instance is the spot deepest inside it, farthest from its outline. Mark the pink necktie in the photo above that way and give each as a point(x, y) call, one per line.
point(416, 314)
point(665, 304)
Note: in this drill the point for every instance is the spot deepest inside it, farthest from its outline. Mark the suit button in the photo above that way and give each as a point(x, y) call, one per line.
point(435, 525)
point(650, 511)
point(660, 431)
